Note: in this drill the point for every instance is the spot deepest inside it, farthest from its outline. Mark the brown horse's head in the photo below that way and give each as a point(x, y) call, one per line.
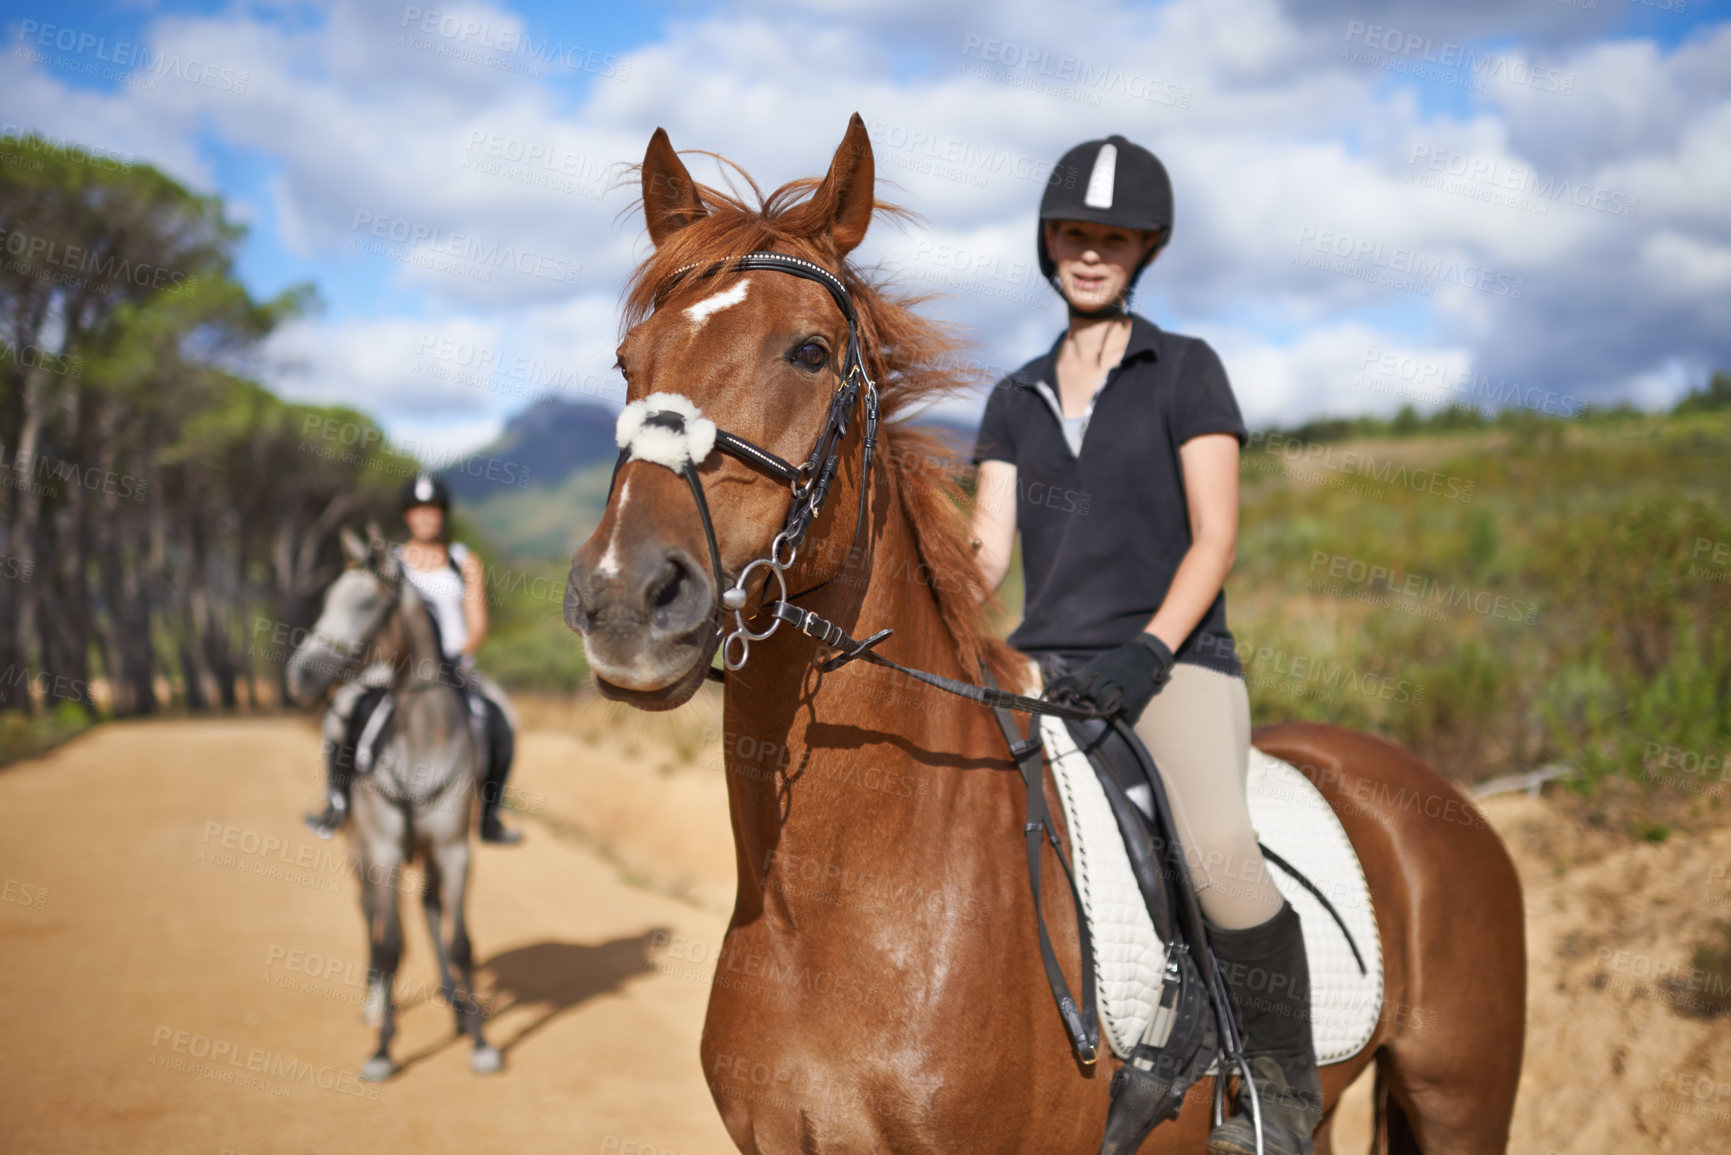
point(760, 353)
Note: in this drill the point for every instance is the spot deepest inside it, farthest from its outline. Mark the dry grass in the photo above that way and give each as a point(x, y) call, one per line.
point(674, 739)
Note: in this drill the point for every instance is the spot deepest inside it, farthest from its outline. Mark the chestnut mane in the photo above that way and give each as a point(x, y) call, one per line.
point(913, 361)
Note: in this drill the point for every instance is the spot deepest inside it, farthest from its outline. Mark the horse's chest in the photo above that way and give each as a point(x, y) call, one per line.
point(848, 1049)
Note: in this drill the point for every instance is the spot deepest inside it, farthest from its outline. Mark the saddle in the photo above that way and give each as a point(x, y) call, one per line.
point(370, 727)
point(1185, 1031)
point(373, 722)
point(1169, 1016)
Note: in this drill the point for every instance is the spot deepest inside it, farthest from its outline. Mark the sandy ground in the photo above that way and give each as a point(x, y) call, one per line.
point(160, 951)
point(183, 963)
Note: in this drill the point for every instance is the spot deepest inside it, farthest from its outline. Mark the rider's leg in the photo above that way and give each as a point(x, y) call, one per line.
point(1198, 731)
point(339, 753)
point(501, 744)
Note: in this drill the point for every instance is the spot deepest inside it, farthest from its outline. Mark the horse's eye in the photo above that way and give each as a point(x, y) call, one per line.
point(812, 355)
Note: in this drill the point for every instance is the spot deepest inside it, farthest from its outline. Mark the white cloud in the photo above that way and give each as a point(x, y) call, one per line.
point(1267, 132)
point(1336, 369)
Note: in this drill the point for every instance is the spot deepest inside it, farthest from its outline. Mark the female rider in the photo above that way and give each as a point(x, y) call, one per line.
point(449, 579)
point(1116, 456)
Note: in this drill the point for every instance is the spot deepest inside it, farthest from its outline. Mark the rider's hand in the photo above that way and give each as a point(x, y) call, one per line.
point(464, 669)
point(1122, 681)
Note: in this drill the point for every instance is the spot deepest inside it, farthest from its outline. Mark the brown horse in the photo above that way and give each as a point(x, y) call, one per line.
point(880, 987)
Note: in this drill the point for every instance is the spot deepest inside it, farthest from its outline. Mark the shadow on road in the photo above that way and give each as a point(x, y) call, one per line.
point(558, 976)
point(554, 976)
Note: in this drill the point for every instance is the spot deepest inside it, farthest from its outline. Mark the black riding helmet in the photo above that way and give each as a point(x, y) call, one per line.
point(424, 489)
point(1113, 182)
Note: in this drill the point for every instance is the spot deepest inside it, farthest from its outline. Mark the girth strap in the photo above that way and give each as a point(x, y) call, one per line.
point(1082, 1023)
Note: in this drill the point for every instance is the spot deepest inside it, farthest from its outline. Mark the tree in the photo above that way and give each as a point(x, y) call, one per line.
point(1717, 395)
point(156, 499)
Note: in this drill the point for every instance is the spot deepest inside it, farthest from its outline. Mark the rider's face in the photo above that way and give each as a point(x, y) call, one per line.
point(1095, 261)
point(425, 522)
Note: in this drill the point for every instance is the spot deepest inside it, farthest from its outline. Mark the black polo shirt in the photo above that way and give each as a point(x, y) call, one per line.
point(1103, 532)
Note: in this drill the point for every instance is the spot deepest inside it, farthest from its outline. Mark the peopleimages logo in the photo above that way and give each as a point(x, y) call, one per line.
point(1278, 447)
point(1391, 579)
point(26, 141)
point(49, 258)
point(1430, 380)
point(1412, 262)
point(959, 159)
point(1478, 64)
point(131, 62)
point(1489, 178)
point(404, 238)
point(1069, 76)
point(466, 38)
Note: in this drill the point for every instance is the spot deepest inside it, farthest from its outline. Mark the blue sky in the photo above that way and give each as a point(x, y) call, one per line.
point(1377, 203)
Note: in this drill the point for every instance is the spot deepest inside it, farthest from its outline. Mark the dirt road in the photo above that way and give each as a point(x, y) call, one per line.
point(182, 963)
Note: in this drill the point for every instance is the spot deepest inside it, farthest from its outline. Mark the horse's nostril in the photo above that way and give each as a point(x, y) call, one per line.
point(577, 615)
point(677, 597)
point(668, 586)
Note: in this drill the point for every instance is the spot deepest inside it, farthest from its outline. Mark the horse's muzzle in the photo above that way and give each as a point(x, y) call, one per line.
point(646, 616)
point(310, 671)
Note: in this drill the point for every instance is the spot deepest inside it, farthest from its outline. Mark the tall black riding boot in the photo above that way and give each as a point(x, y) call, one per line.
point(501, 749)
point(339, 773)
point(1268, 975)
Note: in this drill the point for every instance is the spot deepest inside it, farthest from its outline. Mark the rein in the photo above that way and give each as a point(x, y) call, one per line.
point(668, 429)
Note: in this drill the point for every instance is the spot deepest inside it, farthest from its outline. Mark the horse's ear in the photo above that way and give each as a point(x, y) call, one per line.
point(670, 200)
point(354, 549)
point(844, 201)
point(380, 555)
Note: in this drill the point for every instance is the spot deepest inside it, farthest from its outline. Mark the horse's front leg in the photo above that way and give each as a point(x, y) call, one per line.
point(380, 861)
point(452, 860)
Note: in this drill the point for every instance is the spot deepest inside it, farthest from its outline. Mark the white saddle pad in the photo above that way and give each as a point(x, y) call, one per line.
point(1292, 819)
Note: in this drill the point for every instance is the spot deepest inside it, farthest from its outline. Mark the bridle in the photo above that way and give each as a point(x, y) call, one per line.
point(353, 653)
point(810, 482)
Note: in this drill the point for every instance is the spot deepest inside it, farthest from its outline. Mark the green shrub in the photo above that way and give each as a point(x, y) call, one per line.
point(30, 736)
point(1604, 531)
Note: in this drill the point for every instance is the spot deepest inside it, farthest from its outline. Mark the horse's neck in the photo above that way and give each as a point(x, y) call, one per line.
point(419, 663)
point(432, 724)
point(857, 770)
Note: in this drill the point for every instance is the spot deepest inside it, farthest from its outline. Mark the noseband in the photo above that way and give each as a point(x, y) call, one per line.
point(668, 429)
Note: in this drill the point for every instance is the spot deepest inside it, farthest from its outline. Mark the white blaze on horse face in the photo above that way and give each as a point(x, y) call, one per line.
point(701, 312)
point(609, 563)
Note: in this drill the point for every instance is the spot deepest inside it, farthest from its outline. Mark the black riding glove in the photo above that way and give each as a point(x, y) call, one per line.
point(1123, 680)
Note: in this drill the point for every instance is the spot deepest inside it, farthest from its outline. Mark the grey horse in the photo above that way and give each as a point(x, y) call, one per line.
point(420, 788)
